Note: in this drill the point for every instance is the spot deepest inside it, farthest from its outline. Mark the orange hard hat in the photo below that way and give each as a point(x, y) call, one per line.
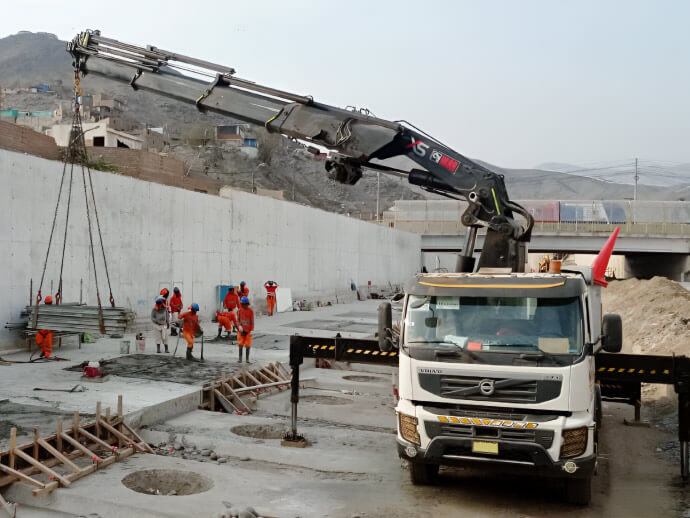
point(49, 300)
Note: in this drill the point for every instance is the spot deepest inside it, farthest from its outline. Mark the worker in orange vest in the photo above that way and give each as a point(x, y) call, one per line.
point(244, 291)
point(227, 320)
point(175, 308)
point(190, 326)
point(271, 287)
point(44, 337)
point(232, 299)
point(246, 320)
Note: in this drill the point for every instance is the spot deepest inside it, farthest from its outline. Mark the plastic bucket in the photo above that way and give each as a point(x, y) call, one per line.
point(124, 347)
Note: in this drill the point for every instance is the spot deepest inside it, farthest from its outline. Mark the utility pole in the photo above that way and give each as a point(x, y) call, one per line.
point(636, 178)
point(378, 192)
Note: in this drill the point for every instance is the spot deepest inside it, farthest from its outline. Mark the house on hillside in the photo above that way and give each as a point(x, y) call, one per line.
point(36, 120)
point(237, 136)
point(98, 134)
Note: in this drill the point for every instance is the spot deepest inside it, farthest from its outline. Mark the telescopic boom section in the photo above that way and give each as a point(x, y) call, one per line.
point(355, 138)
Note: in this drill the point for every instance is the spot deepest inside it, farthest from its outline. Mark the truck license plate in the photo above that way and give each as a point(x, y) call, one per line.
point(485, 447)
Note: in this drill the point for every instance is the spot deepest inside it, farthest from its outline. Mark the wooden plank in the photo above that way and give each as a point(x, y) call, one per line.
point(21, 476)
point(236, 380)
point(238, 398)
point(138, 437)
point(75, 425)
point(286, 372)
point(86, 471)
point(98, 419)
point(119, 406)
point(79, 446)
point(11, 510)
point(122, 438)
point(262, 376)
point(13, 446)
point(212, 398)
point(59, 456)
point(37, 436)
point(271, 375)
point(97, 440)
point(225, 403)
point(45, 469)
point(254, 380)
point(58, 434)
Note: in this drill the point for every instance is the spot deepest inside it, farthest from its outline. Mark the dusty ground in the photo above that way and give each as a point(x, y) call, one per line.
point(351, 467)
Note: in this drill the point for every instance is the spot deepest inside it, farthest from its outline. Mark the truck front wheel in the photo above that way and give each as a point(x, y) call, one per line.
point(423, 474)
point(578, 491)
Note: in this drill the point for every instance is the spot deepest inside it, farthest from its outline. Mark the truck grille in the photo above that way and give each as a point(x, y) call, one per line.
point(542, 437)
point(504, 390)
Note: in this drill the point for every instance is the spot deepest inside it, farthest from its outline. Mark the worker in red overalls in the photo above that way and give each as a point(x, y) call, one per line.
point(271, 287)
point(232, 300)
point(190, 326)
point(44, 337)
point(246, 320)
point(227, 320)
point(175, 308)
point(244, 291)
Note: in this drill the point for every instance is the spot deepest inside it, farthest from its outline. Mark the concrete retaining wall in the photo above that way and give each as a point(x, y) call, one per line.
point(156, 235)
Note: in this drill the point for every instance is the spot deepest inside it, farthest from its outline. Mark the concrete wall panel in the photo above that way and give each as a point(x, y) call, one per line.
point(156, 235)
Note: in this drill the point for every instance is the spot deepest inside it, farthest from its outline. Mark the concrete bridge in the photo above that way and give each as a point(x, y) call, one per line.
point(657, 247)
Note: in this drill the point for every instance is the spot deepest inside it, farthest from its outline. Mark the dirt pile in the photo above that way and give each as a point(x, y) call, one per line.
point(655, 313)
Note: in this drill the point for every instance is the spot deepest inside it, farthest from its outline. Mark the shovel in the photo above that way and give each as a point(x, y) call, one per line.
point(76, 388)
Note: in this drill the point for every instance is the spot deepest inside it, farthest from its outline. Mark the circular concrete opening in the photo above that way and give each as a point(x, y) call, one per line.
point(258, 431)
point(361, 378)
point(167, 482)
point(324, 400)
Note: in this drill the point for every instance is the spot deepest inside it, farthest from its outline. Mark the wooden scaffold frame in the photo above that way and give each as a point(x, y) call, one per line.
point(105, 440)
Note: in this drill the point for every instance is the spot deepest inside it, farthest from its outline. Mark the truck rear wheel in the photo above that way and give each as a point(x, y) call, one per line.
point(578, 491)
point(423, 474)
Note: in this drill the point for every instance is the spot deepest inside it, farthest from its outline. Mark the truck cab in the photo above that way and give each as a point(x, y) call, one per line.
point(497, 370)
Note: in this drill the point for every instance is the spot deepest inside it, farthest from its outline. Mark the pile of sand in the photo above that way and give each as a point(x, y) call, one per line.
point(655, 313)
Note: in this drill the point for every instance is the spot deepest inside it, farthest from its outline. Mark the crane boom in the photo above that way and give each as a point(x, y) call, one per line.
point(355, 138)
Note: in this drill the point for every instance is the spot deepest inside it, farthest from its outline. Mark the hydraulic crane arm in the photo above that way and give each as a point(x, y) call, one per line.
point(354, 137)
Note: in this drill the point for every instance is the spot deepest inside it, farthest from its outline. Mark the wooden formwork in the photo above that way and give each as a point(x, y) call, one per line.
point(227, 393)
point(105, 440)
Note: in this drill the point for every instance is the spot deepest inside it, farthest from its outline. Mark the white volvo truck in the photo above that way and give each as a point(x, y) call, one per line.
point(497, 370)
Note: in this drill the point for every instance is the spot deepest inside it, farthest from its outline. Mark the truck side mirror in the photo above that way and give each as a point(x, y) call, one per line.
point(612, 333)
point(385, 334)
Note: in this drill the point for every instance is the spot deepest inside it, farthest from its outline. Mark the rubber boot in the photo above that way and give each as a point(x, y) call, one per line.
point(220, 330)
point(240, 359)
point(173, 331)
point(158, 348)
point(190, 357)
point(246, 354)
point(166, 348)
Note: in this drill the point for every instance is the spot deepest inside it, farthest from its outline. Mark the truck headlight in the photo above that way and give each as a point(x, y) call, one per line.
point(574, 442)
point(408, 428)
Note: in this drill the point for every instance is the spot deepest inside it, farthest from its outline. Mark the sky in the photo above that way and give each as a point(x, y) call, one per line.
point(513, 82)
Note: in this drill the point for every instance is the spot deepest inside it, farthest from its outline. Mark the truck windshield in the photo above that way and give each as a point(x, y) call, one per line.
point(500, 330)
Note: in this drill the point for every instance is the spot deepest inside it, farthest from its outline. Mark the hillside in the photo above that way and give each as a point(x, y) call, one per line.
point(27, 59)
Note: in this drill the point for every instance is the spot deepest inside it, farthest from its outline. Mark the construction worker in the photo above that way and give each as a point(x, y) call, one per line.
point(232, 300)
point(246, 320)
point(190, 326)
point(271, 287)
point(244, 291)
point(161, 323)
point(44, 337)
point(175, 308)
point(227, 320)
